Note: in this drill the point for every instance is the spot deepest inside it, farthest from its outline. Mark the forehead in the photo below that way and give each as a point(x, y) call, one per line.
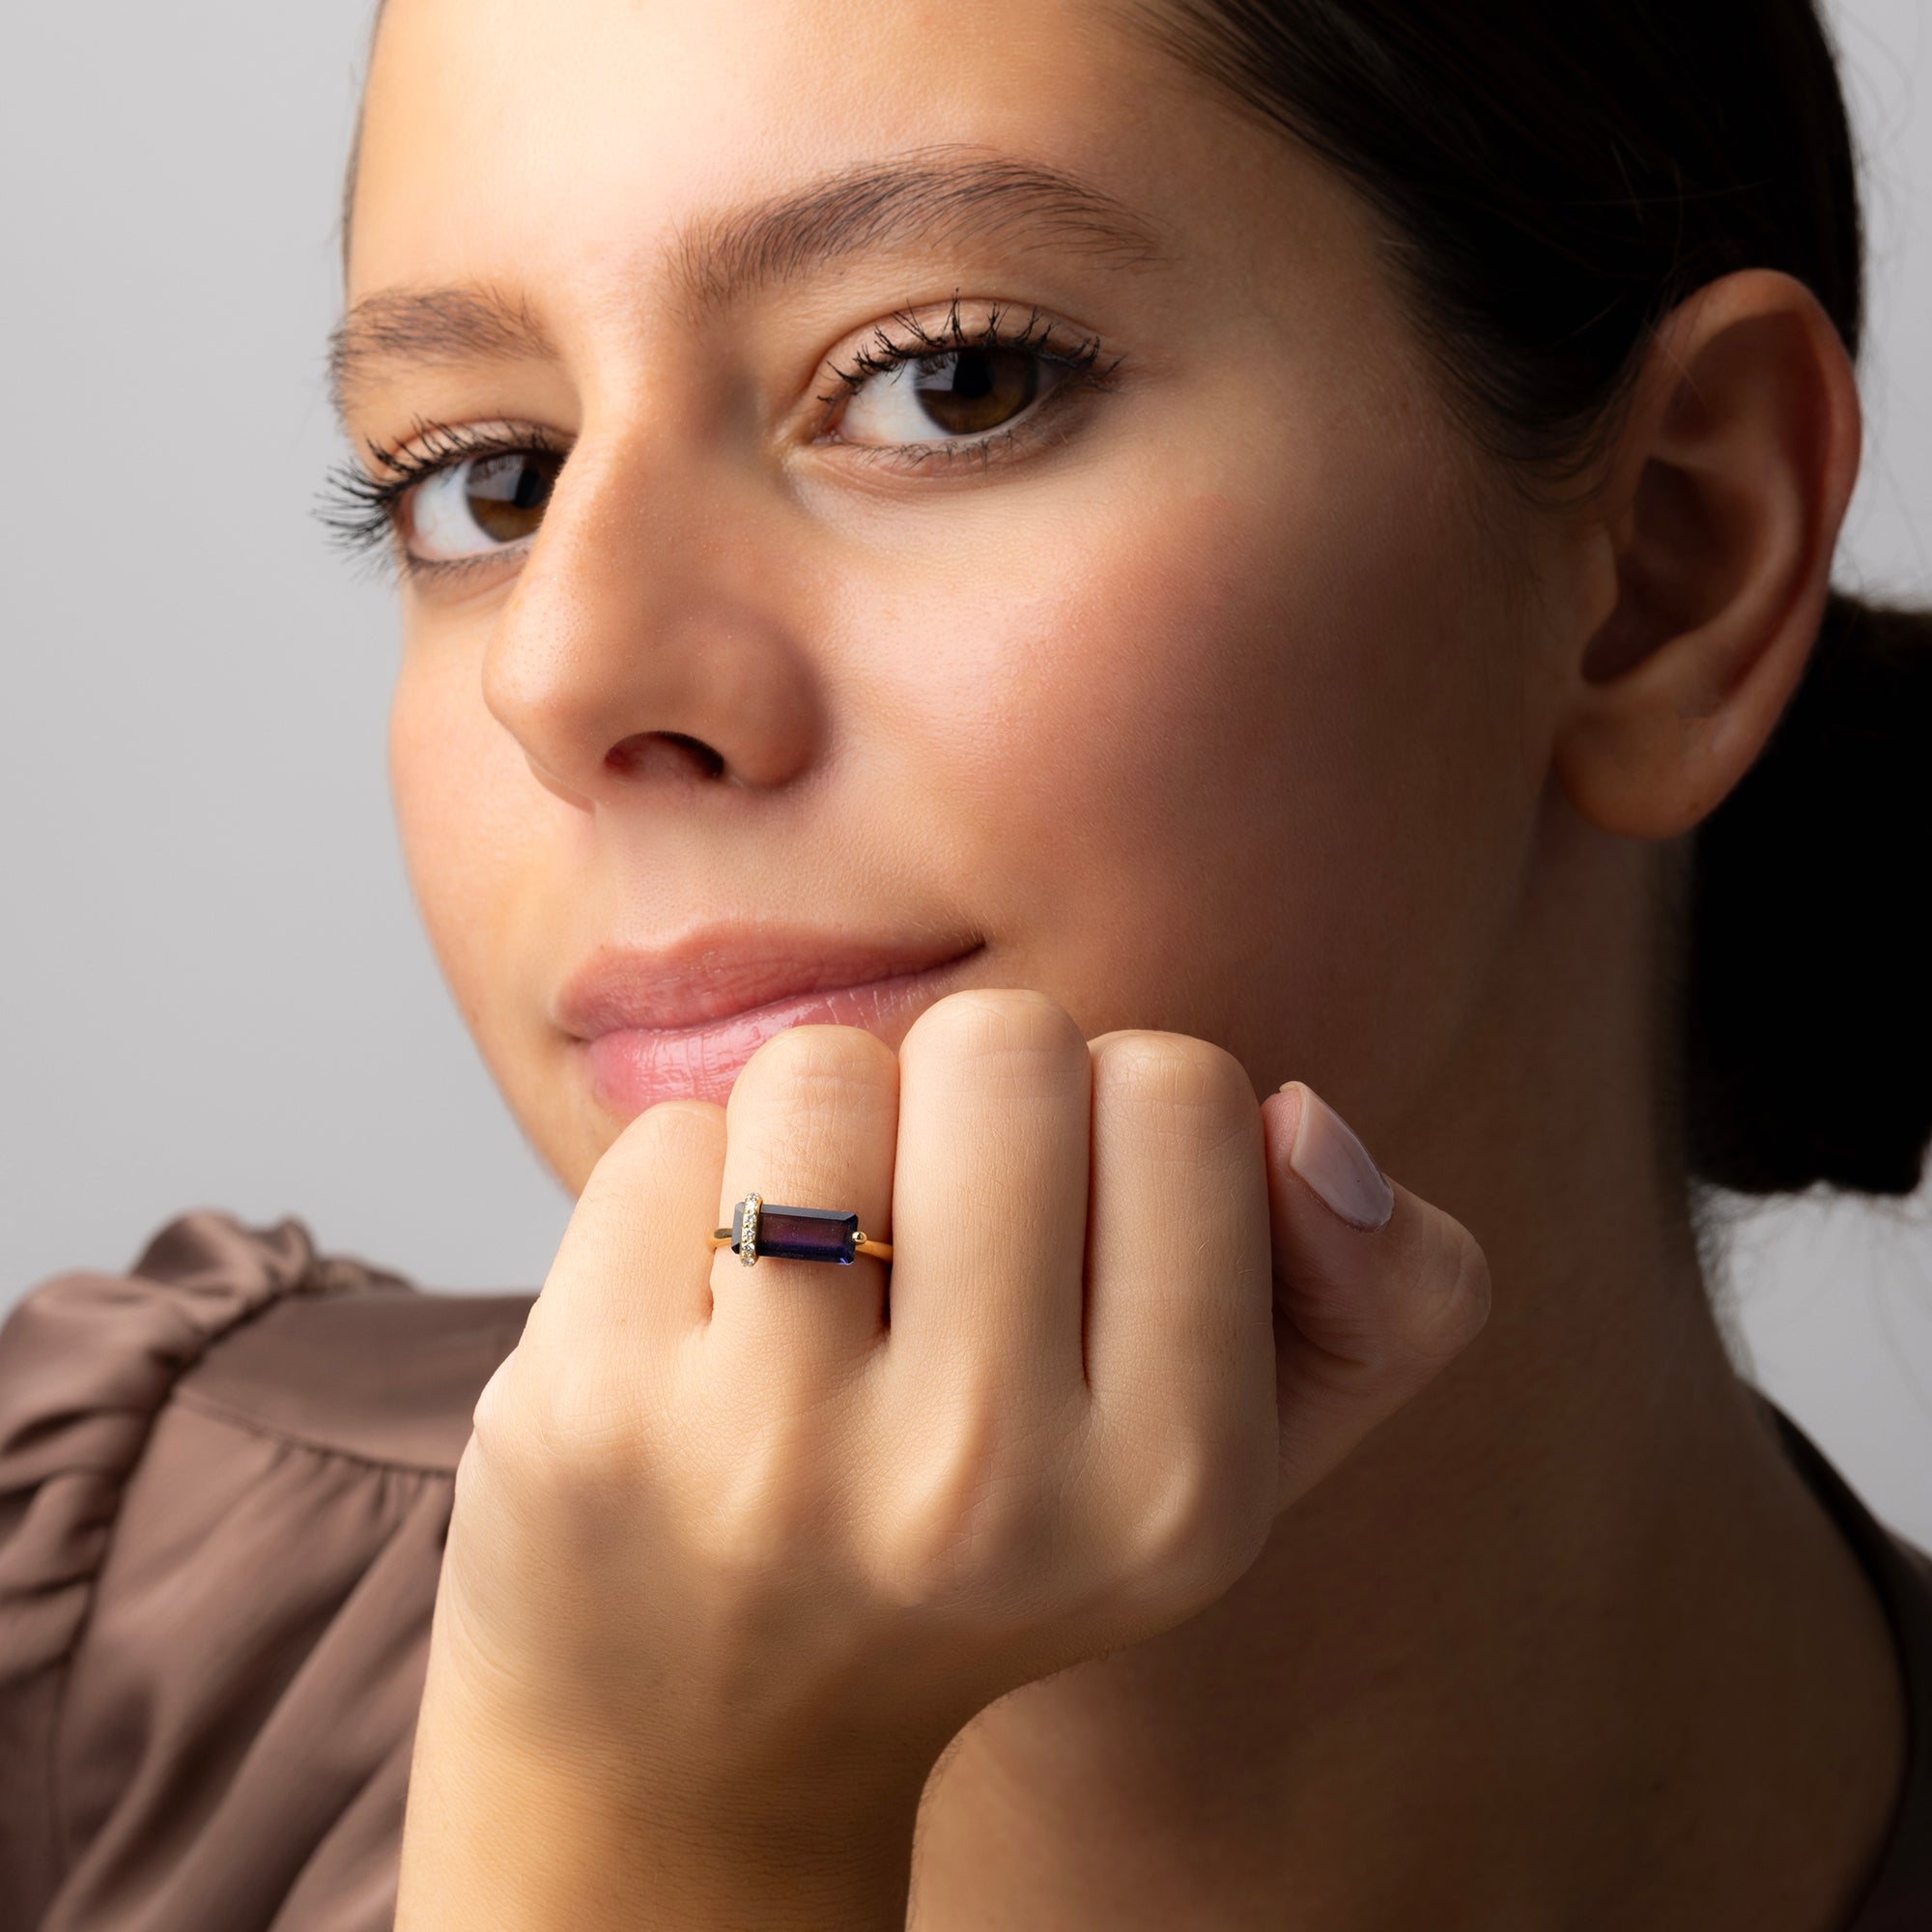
point(572, 144)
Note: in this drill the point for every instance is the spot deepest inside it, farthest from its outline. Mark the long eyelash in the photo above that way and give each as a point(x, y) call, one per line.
point(359, 504)
point(1078, 361)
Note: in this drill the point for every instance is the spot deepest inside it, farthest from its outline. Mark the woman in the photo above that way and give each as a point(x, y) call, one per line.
point(982, 586)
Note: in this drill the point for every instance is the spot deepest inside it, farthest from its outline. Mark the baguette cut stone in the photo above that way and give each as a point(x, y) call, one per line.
point(800, 1234)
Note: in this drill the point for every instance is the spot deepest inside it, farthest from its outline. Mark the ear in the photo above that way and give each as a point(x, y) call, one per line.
point(1719, 511)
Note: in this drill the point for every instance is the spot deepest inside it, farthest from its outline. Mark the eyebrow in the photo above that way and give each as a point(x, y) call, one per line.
point(717, 262)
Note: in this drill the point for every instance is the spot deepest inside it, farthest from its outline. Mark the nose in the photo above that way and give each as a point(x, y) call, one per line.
point(645, 647)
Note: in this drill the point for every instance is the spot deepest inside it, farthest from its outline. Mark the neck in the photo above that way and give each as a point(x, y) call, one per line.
point(1566, 1641)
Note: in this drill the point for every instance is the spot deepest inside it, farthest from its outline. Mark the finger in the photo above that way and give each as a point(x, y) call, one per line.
point(630, 1272)
point(1376, 1291)
point(1180, 1314)
point(990, 1195)
point(811, 1121)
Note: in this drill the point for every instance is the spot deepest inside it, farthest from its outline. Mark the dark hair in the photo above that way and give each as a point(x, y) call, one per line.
point(1551, 181)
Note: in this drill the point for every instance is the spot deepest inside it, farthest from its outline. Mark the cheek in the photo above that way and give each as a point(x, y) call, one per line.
point(454, 775)
point(1246, 768)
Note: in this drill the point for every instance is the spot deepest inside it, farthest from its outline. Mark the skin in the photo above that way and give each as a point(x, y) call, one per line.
point(1257, 708)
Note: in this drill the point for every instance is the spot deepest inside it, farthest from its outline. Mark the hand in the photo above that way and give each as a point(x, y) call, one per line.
point(747, 1546)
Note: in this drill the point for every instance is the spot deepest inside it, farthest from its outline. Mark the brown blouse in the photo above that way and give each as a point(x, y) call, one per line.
point(224, 1482)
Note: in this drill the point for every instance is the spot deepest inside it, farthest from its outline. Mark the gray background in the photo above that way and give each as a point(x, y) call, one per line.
point(216, 993)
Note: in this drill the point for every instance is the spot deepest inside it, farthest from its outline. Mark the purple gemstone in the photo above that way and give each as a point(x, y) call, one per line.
point(804, 1233)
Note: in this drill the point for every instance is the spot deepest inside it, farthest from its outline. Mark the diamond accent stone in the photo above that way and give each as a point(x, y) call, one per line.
point(745, 1229)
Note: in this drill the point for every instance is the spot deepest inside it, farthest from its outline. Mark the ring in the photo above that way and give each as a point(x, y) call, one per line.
point(794, 1234)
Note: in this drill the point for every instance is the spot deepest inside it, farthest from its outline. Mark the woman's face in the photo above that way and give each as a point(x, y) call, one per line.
point(1196, 695)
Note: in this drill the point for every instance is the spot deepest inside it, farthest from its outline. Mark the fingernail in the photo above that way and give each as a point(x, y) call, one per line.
point(1336, 1165)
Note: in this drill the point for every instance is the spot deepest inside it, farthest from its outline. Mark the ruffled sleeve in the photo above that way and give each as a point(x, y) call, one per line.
point(226, 1480)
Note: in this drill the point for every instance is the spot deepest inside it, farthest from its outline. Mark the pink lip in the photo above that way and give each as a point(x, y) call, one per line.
point(683, 1023)
point(633, 1068)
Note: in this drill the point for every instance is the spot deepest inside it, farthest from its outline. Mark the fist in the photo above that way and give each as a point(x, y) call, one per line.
point(724, 1528)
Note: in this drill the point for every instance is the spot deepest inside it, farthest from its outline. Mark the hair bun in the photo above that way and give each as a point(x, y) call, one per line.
point(1809, 999)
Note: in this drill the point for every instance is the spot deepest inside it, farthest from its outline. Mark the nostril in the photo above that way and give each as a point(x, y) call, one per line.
point(672, 752)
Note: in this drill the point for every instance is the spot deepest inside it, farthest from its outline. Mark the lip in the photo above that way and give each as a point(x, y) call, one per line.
point(682, 1021)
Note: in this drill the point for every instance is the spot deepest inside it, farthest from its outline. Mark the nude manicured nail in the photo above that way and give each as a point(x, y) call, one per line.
point(1336, 1165)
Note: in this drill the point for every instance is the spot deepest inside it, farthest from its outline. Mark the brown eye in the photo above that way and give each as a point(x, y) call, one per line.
point(967, 391)
point(481, 503)
point(960, 391)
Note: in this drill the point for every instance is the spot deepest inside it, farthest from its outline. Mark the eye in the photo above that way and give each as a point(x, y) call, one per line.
point(959, 392)
point(981, 393)
point(469, 508)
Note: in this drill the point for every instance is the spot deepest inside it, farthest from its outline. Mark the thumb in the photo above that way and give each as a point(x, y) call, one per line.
point(1375, 1290)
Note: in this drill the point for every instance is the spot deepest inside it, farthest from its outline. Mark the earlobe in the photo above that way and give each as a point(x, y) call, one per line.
point(1722, 502)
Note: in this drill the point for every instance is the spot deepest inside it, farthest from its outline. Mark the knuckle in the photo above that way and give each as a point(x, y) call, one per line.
point(499, 1422)
point(742, 1552)
point(1451, 1303)
point(978, 1532)
point(761, 1583)
point(769, 1518)
point(488, 1416)
point(979, 1021)
point(680, 1121)
point(568, 1431)
point(1146, 1054)
point(1174, 1094)
point(679, 1137)
point(818, 1071)
point(552, 1462)
point(685, 1129)
point(1199, 1522)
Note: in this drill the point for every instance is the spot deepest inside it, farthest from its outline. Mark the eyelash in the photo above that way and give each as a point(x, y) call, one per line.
point(1078, 364)
point(362, 508)
point(362, 511)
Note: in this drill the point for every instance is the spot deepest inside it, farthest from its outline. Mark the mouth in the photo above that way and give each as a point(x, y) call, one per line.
point(630, 1067)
